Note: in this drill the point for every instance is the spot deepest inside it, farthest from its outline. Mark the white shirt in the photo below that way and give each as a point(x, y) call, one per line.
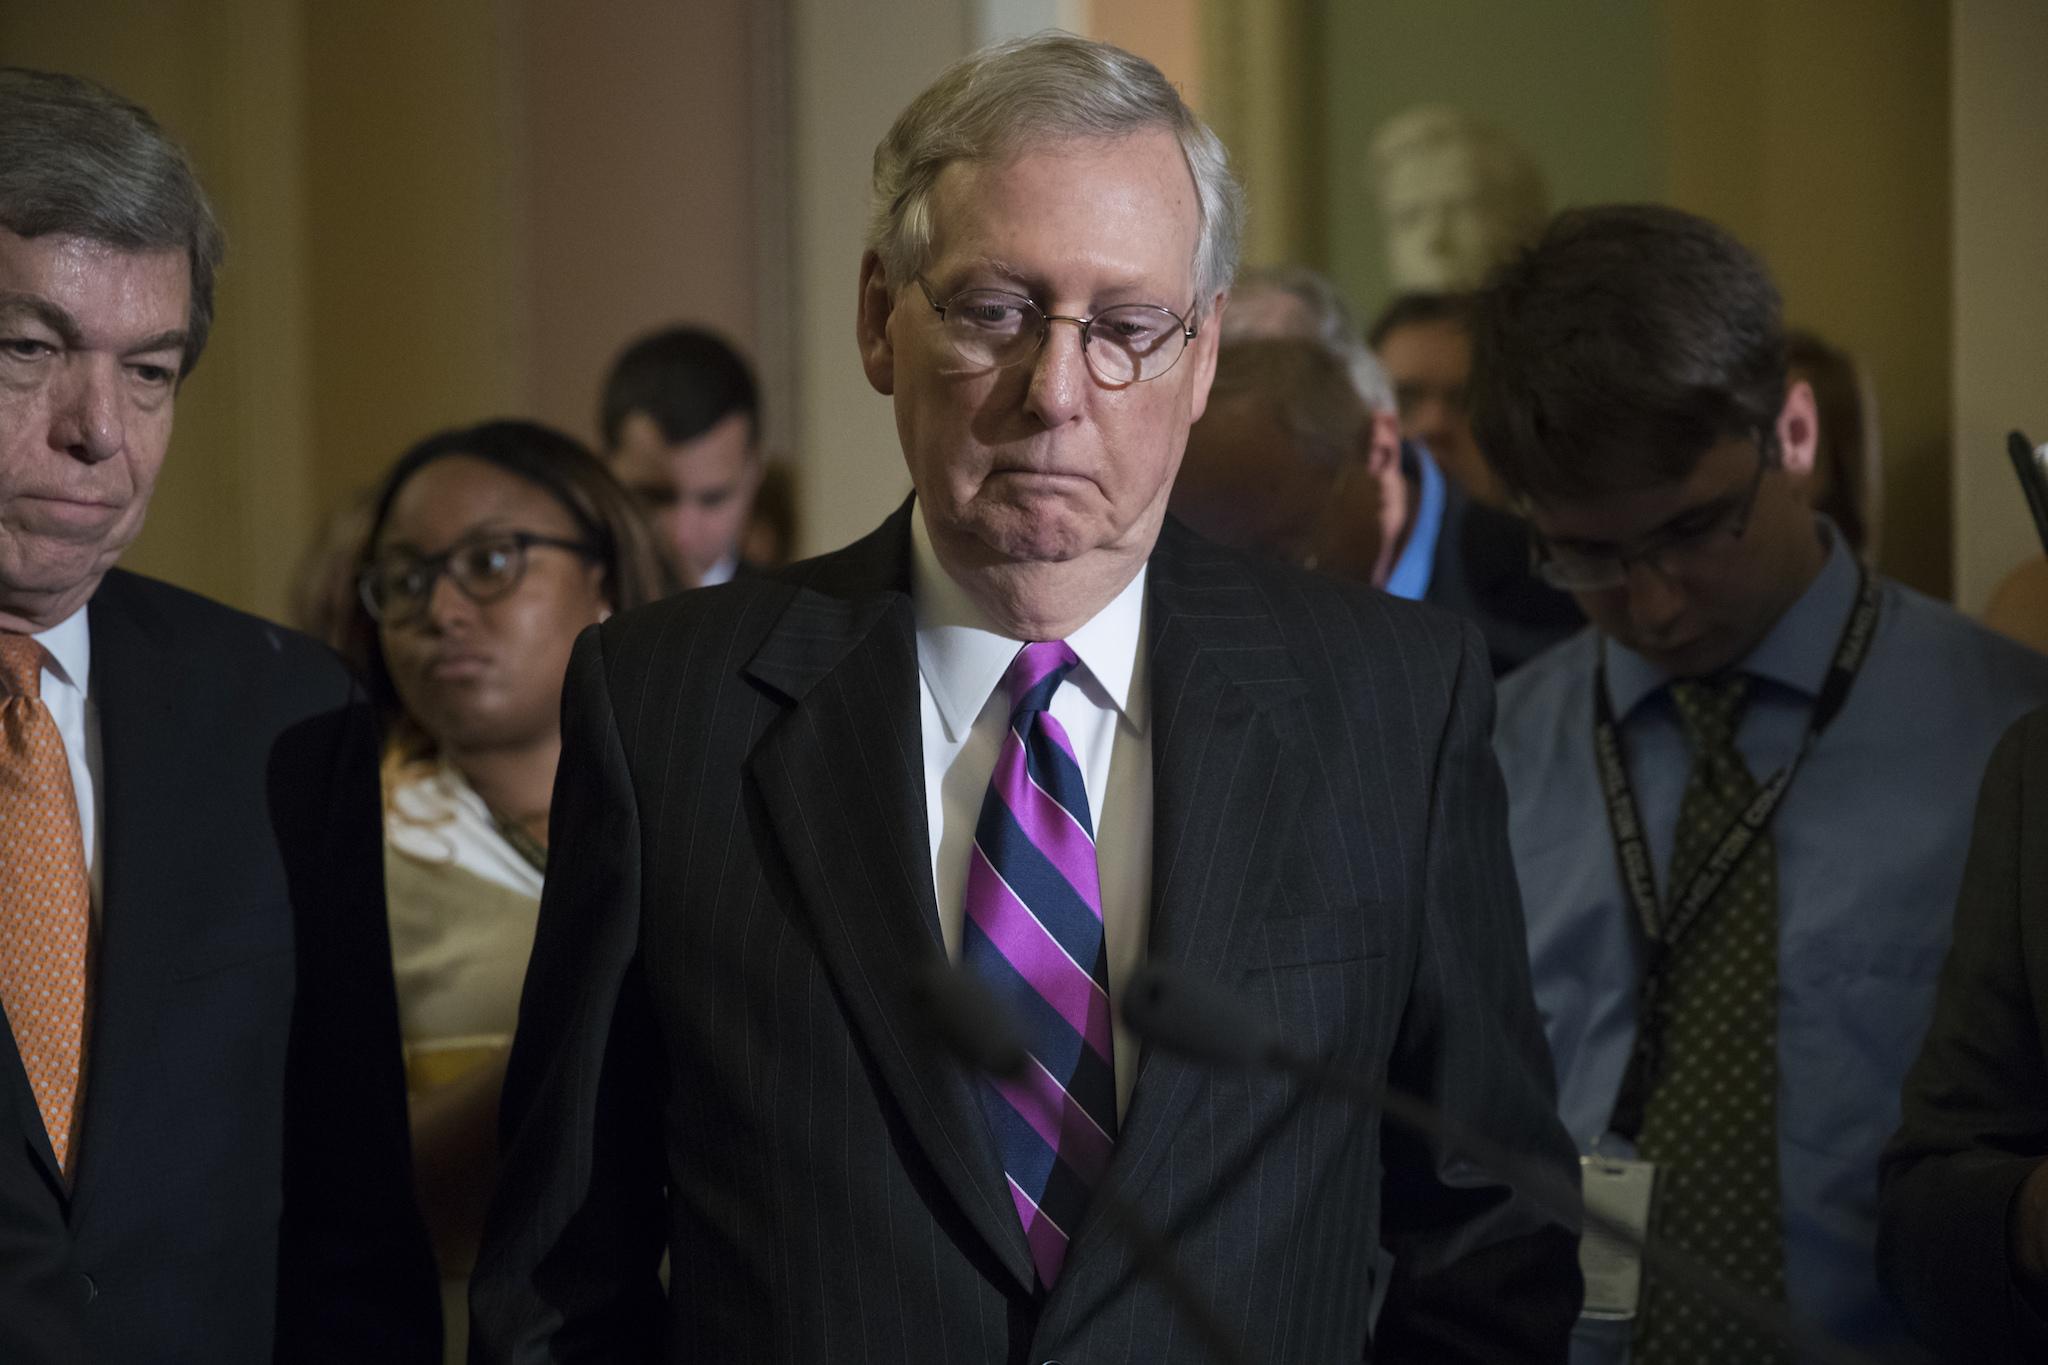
point(436, 817)
point(67, 679)
point(1105, 708)
point(722, 571)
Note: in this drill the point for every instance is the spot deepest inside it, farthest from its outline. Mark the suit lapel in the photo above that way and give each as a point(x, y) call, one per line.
point(20, 1101)
point(1221, 677)
point(841, 776)
point(137, 688)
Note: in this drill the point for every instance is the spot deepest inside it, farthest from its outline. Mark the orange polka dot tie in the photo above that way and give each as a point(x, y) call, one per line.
point(45, 897)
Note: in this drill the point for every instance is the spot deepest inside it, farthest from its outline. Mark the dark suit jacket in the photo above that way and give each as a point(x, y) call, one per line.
point(715, 1055)
point(1975, 1114)
point(242, 1191)
point(1481, 572)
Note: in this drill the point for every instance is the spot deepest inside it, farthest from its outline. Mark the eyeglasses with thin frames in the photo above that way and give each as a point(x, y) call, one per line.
point(1679, 551)
point(1127, 344)
point(485, 568)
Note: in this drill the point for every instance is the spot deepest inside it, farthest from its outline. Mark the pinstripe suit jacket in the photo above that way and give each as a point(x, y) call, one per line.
point(715, 1057)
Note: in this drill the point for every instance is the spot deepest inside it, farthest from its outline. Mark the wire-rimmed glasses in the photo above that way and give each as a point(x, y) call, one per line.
point(1682, 549)
point(1127, 344)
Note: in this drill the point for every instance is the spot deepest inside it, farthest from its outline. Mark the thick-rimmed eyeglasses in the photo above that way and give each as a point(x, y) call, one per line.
point(1685, 549)
point(1127, 344)
point(396, 590)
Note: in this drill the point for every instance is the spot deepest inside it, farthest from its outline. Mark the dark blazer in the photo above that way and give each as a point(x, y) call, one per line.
point(1975, 1112)
point(242, 1191)
point(715, 1055)
point(1481, 572)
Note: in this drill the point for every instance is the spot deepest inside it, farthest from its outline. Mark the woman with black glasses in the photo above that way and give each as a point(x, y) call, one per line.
point(489, 549)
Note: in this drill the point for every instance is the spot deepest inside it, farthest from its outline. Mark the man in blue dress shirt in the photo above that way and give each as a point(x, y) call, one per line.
point(1740, 801)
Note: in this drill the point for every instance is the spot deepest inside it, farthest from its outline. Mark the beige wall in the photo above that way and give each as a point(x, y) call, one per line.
point(850, 77)
point(638, 137)
point(2000, 242)
point(436, 213)
point(1166, 33)
point(1819, 132)
point(439, 212)
point(1263, 95)
point(417, 244)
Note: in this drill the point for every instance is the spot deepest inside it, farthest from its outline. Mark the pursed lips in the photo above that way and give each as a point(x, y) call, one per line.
point(458, 664)
point(71, 506)
point(1029, 472)
point(77, 499)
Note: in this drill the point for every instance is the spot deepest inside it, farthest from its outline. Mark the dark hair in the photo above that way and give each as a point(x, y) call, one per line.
point(686, 379)
point(1416, 309)
point(1305, 384)
point(79, 160)
point(1615, 352)
point(604, 513)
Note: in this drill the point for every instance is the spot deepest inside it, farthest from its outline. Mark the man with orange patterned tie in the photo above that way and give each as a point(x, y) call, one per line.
point(203, 1121)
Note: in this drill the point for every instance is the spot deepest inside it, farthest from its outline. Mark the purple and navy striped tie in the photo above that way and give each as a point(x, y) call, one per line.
point(1034, 938)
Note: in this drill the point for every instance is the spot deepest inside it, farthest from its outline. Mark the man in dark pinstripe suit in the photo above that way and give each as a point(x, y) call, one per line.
point(767, 816)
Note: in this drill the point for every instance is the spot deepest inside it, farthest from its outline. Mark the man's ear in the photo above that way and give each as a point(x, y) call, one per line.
point(1798, 431)
point(1208, 336)
point(877, 304)
point(1383, 450)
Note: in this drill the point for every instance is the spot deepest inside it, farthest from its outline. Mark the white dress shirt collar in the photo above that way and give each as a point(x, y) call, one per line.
point(963, 656)
point(721, 572)
point(69, 644)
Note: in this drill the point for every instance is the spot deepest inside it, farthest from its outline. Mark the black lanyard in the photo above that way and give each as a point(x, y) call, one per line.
point(1663, 933)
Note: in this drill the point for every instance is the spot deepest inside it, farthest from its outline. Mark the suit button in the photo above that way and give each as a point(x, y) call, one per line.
point(87, 1290)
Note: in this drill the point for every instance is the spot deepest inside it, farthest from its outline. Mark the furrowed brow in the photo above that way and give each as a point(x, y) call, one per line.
point(172, 340)
point(15, 304)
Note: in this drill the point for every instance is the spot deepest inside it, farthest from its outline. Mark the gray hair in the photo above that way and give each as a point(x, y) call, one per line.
point(78, 160)
point(1315, 311)
point(1303, 382)
point(1013, 94)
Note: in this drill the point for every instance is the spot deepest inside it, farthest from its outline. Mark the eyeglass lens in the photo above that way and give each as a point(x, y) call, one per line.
point(1125, 344)
point(483, 570)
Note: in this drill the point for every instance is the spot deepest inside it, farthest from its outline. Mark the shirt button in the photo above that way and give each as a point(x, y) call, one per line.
point(87, 1290)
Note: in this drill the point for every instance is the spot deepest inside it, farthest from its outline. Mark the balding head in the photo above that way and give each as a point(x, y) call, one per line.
point(1284, 460)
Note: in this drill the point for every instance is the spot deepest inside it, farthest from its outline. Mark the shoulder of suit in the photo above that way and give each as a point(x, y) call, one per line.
point(1185, 555)
point(1971, 651)
point(195, 625)
point(722, 607)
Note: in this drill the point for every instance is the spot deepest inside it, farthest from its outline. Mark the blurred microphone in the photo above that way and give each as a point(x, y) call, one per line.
point(966, 1019)
point(2029, 463)
point(1182, 1013)
point(973, 1025)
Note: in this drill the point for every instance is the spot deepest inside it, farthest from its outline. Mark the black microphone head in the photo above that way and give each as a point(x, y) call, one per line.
point(970, 1022)
point(1182, 1013)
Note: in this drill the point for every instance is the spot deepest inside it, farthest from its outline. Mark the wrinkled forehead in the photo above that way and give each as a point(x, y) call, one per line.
point(96, 293)
point(1130, 194)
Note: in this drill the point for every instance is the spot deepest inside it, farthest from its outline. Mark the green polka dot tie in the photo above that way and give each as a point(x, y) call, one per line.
point(1711, 1123)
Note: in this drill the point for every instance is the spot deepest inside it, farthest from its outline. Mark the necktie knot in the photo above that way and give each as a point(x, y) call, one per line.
point(1708, 710)
point(1036, 673)
point(21, 666)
